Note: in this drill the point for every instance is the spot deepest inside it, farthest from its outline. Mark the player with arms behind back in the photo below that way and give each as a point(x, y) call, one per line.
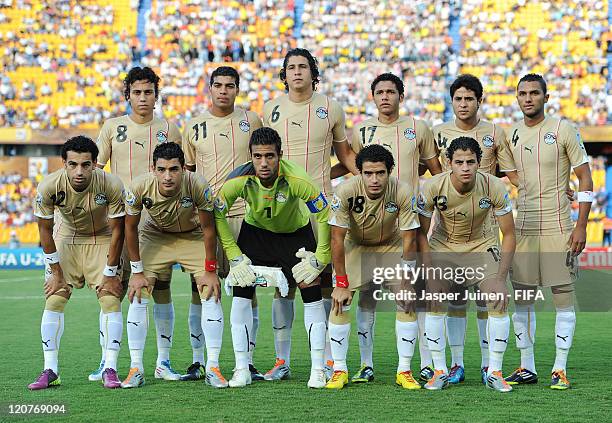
point(215, 143)
point(276, 232)
point(463, 239)
point(466, 94)
point(309, 124)
point(544, 150)
point(85, 248)
point(372, 215)
point(128, 142)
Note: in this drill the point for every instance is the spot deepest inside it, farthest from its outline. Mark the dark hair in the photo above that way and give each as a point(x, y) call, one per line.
point(375, 153)
point(399, 84)
point(464, 143)
point(140, 74)
point(225, 71)
point(469, 82)
point(533, 77)
point(169, 151)
point(80, 144)
point(265, 136)
point(312, 62)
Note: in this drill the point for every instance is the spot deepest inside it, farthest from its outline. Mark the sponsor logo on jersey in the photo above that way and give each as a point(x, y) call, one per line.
point(420, 203)
point(391, 207)
point(335, 203)
point(100, 199)
point(281, 197)
point(487, 141)
point(186, 202)
point(129, 197)
point(317, 204)
point(550, 138)
point(409, 134)
point(322, 113)
point(244, 126)
point(208, 194)
point(484, 203)
point(219, 204)
point(161, 136)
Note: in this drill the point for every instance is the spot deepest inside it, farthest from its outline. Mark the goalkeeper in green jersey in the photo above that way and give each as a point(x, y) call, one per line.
point(276, 232)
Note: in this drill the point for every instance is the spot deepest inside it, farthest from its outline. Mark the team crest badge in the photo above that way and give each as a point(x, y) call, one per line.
point(550, 138)
point(129, 197)
point(186, 202)
point(281, 197)
point(410, 134)
point(161, 136)
point(322, 113)
point(100, 199)
point(244, 126)
point(484, 203)
point(391, 207)
point(335, 203)
point(487, 141)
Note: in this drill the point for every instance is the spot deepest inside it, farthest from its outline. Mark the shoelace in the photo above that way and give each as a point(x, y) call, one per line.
point(408, 375)
point(337, 374)
point(279, 362)
point(217, 372)
point(132, 372)
point(561, 375)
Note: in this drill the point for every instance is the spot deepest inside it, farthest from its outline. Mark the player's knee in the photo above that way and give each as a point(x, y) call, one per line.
point(405, 316)
point(482, 312)
point(161, 292)
point(366, 300)
point(457, 310)
point(244, 292)
point(144, 294)
point(57, 302)
point(563, 296)
point(525, 299)
point(109, 304)
point(311, 294)
point(341, 318)
point(497, 312)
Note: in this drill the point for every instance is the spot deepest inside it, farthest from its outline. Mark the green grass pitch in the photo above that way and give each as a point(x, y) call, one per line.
point(21, 303)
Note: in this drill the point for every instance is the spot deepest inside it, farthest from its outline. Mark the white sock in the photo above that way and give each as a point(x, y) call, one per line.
point(524, 322)
point(314, 321)
point(51, 330)
point(565, 324)
point(483, 337)
point(327, 304)
point(366, 320)
point(212, 325)
point(339, 337)
point(241, 318)
point(255, 329)
point(424, 352)
point(499, 330)
point(406, 334)
point(455, 331)
point(101, 337)
point(196, 336)
point(282, 321)
point(436, 340)
point(113, 333)
point(137, 326)
point(163, 316)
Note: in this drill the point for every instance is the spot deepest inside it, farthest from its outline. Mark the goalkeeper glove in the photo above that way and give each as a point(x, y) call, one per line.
point(240, 271)
point(308, 269)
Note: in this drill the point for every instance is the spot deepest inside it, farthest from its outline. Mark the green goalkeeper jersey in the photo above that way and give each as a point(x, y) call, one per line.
point(285, 207)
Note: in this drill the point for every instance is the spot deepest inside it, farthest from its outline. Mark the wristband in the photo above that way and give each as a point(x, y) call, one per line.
point(342, 281)
point(52, 258)
point(586, 197)
point(110, 270)
point(136, 266)
point(210, 265)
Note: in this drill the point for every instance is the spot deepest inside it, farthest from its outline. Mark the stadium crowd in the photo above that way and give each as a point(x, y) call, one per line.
point(62, 65)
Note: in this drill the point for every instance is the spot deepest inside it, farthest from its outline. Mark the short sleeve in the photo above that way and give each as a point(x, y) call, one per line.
point(132, 197)
point(355, 141)
point(427, 146)
point(43, 203)
point(203, 197)
point(115, 195)
point(339, 211)
point(574, 147)
point(424, 204)
point(500, 199)
point(104, 144)
point(503, 150)
point(254, 121)
point(188, 147)
point(338, 121)
point(408, 218)
point(174, 134)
